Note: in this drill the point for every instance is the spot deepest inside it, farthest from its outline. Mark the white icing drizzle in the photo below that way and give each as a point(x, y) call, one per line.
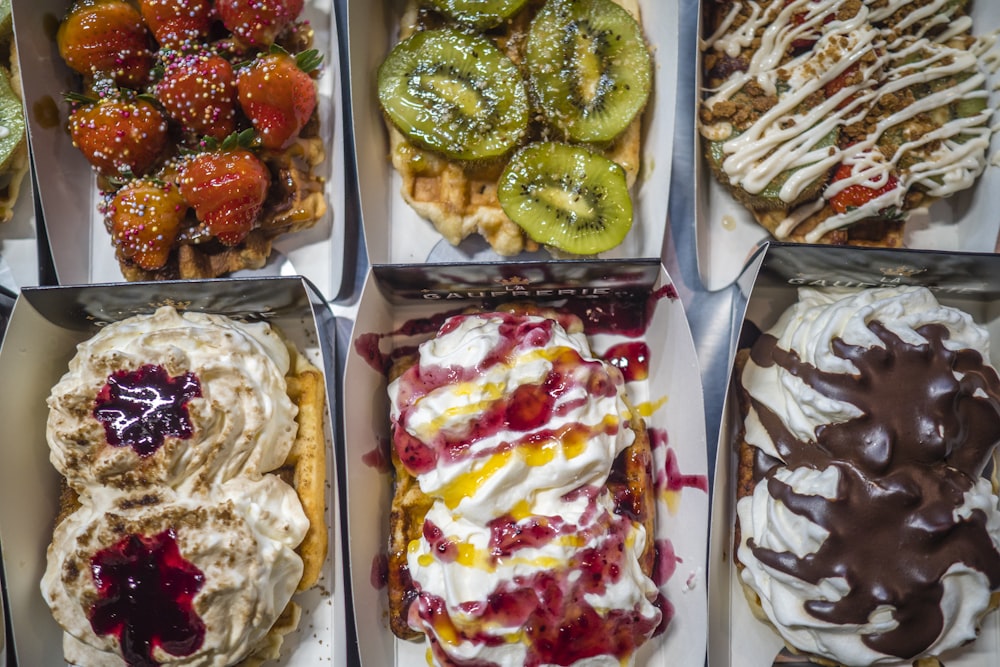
point(790, 138)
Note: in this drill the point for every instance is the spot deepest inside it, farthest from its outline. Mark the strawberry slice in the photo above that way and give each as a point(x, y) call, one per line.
point(858, 194)
point(145, 219)
point(199, 92)
point(178, 23)
point(106, 37)
point(278, 95)
point(804, 43)
point(227, 189)
point(119, 137)
point(258, 22)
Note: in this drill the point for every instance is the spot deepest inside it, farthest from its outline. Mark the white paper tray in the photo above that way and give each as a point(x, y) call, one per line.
point(674, 375)
point(80, 245)
point(45, 327)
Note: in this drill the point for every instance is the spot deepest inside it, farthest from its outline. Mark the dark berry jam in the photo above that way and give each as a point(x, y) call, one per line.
point(141, 408)
point(145, 591)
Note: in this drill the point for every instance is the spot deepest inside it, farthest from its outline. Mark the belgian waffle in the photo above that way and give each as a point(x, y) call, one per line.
point(460, 199)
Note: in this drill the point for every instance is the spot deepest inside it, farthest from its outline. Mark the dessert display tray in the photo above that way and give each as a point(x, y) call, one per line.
point(46, 325)
point(396, 234)
point(395, 298)
point(768, 286)
point(79, 243)
point(727, 235)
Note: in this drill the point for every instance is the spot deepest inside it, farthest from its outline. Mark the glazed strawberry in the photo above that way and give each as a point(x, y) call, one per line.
point(145, 219)
point(227, 189)
point(858, 194)
point(106, 37)
point(178, 23)
point(199, 92)
point(119, 137)
point(258, 22)
point(278, 95)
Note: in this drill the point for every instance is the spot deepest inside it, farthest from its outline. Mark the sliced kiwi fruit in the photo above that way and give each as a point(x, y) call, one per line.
point(11, 121)
point(589, 68)
point(566, 196)
point(480, 14)
point(454, 93)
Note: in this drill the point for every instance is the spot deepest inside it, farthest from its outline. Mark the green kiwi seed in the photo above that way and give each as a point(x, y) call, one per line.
point(454, 93)
point(480, 14)
point(567, 197)
point(589, 67)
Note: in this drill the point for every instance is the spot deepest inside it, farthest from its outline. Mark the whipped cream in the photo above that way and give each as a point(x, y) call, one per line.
point(241, 538)
point(511, 425)
point(243, 422)
point(166, 427)
point(873, 412)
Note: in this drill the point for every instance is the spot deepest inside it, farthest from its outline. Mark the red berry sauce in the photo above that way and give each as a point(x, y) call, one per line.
point(141, 408)
point(550, 606)
point(145, 591)
point(631, 358)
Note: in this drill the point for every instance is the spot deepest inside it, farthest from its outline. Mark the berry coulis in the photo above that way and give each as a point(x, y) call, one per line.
point(145, 591)
point(141, 408)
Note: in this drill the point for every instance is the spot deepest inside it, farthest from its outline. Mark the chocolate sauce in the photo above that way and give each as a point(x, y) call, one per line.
point(923, 439)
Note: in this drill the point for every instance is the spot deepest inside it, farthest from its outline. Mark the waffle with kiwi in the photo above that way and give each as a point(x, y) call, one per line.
point(853, 119)
point(500, 125)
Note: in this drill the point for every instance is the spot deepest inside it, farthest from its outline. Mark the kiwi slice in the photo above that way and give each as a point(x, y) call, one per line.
point(480, 14)
point(11, 119)
point(566, 196)
point(589, 67)
point(454, 93)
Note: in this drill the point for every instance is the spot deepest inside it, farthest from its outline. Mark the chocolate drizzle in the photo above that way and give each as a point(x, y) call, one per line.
point(930, 423)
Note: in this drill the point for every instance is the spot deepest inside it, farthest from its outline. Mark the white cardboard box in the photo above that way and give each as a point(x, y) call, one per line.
point(80, 244)
point(45, 327)
point(727, 235)
point(398, 298)
point(396, 234)
point(769, 285)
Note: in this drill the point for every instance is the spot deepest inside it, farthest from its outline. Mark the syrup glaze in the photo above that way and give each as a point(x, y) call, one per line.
point(550, 608)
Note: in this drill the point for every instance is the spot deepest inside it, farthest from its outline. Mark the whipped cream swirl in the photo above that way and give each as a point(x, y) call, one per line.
point(870, 535)
point(243, 422)
point(512, 426)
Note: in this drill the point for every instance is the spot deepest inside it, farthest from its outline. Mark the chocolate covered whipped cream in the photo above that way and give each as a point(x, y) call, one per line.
point(871, 534)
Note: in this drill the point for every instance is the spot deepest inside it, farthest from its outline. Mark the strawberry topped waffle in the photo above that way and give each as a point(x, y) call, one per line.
point(200, 121)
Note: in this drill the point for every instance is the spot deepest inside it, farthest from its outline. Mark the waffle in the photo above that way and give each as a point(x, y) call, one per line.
point(305, 470)
point(459, 198)
point(296, 202)
point(631, 477)
point(744, 486)
point(814, 169)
